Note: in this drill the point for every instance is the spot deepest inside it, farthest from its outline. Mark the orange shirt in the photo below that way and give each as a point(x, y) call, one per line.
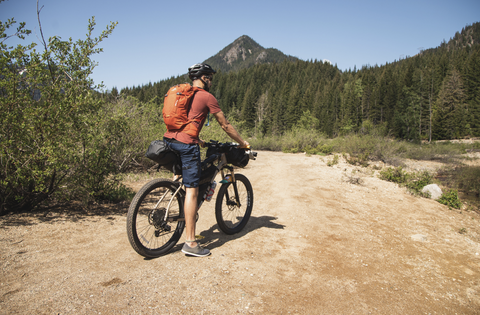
point(203, 103)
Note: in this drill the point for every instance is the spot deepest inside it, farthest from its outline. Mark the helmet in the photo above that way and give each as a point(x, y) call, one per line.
point(199, 69)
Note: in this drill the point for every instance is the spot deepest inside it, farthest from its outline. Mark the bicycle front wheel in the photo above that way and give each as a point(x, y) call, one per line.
point(151, 231)
point(234, 206)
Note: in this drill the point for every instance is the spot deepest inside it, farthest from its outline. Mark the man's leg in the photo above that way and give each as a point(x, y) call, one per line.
point(191, 214)
point(191, 172)
point(191, 247)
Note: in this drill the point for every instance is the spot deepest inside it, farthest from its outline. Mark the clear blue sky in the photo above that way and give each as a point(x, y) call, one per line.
point(157, 39)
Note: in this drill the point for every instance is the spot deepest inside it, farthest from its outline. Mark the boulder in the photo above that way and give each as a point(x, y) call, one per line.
point(434, 190)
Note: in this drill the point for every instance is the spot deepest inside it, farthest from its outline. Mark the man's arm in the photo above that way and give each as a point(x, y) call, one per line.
point(229, 129)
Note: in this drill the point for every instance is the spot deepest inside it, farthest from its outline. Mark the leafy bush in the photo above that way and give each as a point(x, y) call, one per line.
point(359, 159)
point(298, 139)
point(321, 149)
point(359, 145)
point(396, 175)
point(325, 148)
point(451, 199)
point(418, 181)
point(463, 178)
point(144, 123)
point(271, 143)
point(364, 148)
point(54, 137)
point(414, 182)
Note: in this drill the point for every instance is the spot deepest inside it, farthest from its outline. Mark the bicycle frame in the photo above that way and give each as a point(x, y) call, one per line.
point(222, 164)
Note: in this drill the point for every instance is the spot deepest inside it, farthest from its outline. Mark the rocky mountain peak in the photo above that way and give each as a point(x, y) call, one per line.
point(244, 52)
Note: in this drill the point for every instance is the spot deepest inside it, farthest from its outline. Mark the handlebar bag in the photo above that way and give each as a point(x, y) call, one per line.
point(237, 157)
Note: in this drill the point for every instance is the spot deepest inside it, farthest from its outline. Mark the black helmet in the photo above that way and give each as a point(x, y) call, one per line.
point(199, 69)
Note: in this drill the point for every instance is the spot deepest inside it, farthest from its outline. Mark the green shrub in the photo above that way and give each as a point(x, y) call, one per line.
point(451, 199)
point(396, 175)
point(364, 148)
point(359, 159)
point(463, 178)
point(298, 139)
point(271, 143)
point(418, 181)
point(414, 182)
point(324, 149)
point(54, 139)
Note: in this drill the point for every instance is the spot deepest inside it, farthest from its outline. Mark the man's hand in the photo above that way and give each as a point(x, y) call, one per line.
point(201, 142)
point(245, 145)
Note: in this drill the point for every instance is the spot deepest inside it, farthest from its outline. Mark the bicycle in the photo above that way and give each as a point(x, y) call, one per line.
point(155, 219)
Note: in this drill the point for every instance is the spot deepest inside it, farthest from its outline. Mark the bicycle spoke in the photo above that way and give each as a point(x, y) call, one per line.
point(149, 233)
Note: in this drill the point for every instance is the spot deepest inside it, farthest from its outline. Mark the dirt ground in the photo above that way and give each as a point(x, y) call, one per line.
point(316, 244)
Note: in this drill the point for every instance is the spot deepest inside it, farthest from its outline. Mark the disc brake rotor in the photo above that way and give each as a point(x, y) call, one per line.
point(231, 204)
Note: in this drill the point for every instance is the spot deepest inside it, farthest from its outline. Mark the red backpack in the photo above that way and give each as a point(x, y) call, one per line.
point(176, 106)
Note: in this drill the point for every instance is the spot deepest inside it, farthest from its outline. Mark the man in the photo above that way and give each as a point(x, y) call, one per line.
point(188, 148)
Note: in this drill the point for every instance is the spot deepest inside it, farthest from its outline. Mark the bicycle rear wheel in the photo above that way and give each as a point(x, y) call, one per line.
point(232, 216)
point(149, 232)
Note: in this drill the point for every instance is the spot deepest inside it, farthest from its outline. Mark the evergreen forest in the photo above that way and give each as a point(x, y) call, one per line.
point(430, 96)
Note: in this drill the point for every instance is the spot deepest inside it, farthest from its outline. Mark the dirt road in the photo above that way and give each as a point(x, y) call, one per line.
point(316, 244)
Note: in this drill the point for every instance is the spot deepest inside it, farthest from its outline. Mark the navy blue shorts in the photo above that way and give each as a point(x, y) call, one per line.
point(191, 162)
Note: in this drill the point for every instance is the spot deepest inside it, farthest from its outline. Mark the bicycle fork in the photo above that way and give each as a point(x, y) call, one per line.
point(234, 183)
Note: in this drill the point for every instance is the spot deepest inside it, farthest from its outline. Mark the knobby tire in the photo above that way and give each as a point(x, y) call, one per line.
point(232, 218)
point(148, 233)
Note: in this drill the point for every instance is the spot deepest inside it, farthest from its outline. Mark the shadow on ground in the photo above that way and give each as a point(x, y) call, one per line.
point(214, 237)
point(74, 212)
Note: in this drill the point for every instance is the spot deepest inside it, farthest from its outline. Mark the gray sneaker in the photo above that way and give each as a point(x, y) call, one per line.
point(195, 251)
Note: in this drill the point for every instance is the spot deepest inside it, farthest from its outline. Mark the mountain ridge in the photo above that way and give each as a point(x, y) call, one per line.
point(243, 53)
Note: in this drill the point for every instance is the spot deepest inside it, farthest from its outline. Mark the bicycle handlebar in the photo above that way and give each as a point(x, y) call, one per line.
point(217, 144)
point(224, 146)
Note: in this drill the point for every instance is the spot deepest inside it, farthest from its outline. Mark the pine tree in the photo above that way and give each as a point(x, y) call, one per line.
point(293, 111)
point(264, 114)
point(451, 106)
point(472, 91)
point(406, 115)
point(248, 108)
